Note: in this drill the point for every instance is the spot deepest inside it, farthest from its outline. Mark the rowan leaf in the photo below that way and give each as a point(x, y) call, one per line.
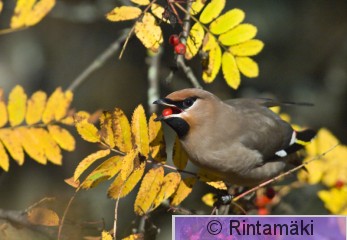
point(179, 155)
point(123, 13)
point(71, 182)
point(16, 106)
point(156, 140)
point(106, 235)
point(148, 32)
point(1, 6)
point(52, 106)
point(106, 170)
point(106, 131)
point(169, 186)
point(227, 21)
point(239, 34)
point(141, 2)
point(64, 139)
point(139, 130)
point(50, 147)
point(212, 48)
point(209, 199)
point(211, 11)
point(3, 113)
point(150, 187)
point(197, 6)
point(211, 179)
point(122, 131)
point(158, 11)
point(248, 48)
point(128, 164)
point(35, 107)
point(230, 70)
point(12, 142)
point(247, 66)
point(43, 216)
point(184, 189)
point(89, 160)
point(194, 41)
point(87, 131)
point(31, 144)
point(39, 11)
point(4, 160)
point(63, 105)
point(120, 188)
point(135, 236)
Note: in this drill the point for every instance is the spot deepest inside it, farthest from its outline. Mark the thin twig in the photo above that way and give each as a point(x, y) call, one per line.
point(153, 79)
point(60, 229)
point(45, 199)
point(172, 167)
point(188, 72)
point(284, 174)
point(99, 61)
point(116, 212)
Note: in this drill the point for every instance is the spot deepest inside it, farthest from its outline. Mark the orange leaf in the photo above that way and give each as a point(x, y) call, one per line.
point(43, 216)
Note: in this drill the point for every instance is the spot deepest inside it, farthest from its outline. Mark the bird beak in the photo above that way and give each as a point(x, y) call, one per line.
point(168, 103)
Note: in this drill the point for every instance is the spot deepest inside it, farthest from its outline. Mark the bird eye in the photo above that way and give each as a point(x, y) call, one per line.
point(188, 102)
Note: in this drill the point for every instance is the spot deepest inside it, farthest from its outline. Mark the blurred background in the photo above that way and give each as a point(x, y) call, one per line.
point(304, 60)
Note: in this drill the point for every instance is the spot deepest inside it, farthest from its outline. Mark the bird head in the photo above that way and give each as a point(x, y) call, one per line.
point(186, 109)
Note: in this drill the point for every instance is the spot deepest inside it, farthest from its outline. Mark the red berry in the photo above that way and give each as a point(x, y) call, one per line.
point(174, 40)
point(262, 201)
point(270, 192)
point(339, 184)
point(180, 49)
point(167, 112)
point(263, 211)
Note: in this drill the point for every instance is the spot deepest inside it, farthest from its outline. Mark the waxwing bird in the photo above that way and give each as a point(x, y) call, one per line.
point(240, 141)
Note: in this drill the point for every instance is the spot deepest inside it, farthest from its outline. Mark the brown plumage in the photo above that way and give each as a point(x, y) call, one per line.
point(241, 141)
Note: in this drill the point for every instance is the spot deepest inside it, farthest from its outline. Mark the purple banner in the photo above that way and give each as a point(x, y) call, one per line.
point(262, 228)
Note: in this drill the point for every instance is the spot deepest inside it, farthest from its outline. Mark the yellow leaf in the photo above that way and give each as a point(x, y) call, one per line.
point(16, 105)
point(12, 141)
point(141, 2)
point(123, 13)
point(122, 131)
point(106, 131)
point(149, 189)
point(3, 114)
point(35, 107)
point(1, 6)
point(64, 139)
point(209, 199)
point(43, 216)
point(212, 10)
point(31, 144)
point(63, 105)
point(335, 200)
point(88, 131)
point(322, 142)
point(211, 179)
point(230, 71)
point(212, 48)
point(135, 236)
point(194, 40)
point(156, 140)
point(120, 188)
point(21, 13)
point(52, 105)
point(50, 147)
point(128, 164)
point(39, 11)
point(169, 186)
point(247, 66)
point(139, 130)
point(239, 34)
point(248, 48)
point(148, 32)
point(184, 189)
point(89, 160)
point(158, 11)
point(196, 7)
point(4, 160)
point(104, 171)
point(179, 156)
point(106, 235)
point(227, 21)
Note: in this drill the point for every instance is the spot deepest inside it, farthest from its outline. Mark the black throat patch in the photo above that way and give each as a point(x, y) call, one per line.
point(180, 126)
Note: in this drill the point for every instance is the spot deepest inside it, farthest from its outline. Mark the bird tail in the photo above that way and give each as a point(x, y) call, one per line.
point(301, 140)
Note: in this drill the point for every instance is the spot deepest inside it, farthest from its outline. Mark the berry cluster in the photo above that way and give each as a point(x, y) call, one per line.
point(179, 47)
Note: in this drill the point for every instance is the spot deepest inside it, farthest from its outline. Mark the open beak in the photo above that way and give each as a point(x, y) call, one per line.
point(167, 103)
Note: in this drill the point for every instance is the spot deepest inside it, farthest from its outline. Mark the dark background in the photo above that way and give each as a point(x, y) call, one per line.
point(304, 60)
